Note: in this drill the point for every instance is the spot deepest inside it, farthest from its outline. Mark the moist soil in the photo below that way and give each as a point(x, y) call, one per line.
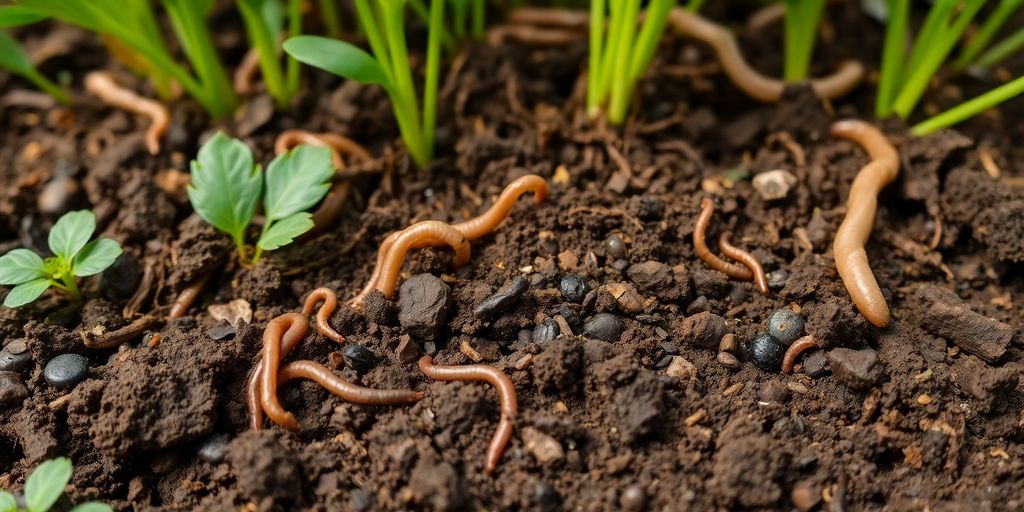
point(925, 414)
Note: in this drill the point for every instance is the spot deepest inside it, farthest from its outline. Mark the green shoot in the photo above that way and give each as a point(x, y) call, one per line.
point(999, 52)
point(801, 26)
point(330, 16)
point(988, 30)
point(227, 187)
point(264, 24)
point(73, 256)
point(384, 25)
point(618, 60)
point(44, 487)
point(13, 59)
point(970, 108)
point(695, 5)
point(133, 23)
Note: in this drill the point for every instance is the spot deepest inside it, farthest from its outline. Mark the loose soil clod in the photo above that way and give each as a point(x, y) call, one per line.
point(105, 87)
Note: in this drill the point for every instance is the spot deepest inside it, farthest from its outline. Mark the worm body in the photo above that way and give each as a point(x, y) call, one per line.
point(506, 396)
point(187, 297)
point(282, 335)
point(323, 325)
point(102, 85)
point(530, 34)
point(848, 247)
point(747, 78)
point(342, 388)
point(798, 347)
point(421, 234)
point(745, 258)
point(566, 18)
point(245, 73)
point(340, 146)
point(700, 246)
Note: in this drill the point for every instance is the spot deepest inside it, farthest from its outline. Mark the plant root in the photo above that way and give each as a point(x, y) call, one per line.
point(798, 347)
point(747, 259)
point(115, 338)
point(848, 246)
point(103, 85)
point(506, 396)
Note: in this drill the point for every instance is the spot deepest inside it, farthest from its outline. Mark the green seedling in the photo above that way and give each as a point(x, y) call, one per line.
point(265, 25)
point(13, 59)
point(986, 33)
point(801, 26)
point(73, 256)
point(620, 55)
point(227, 188)
point(133, 24)
point(44, 487)
point(383, 21)
point(1000, 51)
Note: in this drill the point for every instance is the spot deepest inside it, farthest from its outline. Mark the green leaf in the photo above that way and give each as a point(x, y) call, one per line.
point(26, 292)
point(226, 185)
point(282, 232)
point(7, 502)
point(338, 57)
point(95, 257)
point(71, 232)
point(92, 506)
point(46, 484)
point(20, 266)
point(16, 16)
point(12, 57)
point(297, 180)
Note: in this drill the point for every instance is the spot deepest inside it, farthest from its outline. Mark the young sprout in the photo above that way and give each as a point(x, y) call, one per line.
point(44, 487)
point(73, 256)
point(988, 30)
point(970, 108)
point(801, 25)
point(265, 23)
point(384, 24)
point(13, 59)
point(619, 56)
point(227, 187)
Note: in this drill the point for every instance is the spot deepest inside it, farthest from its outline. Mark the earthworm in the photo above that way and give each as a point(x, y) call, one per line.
point(506, 396)
point(342, 388)
point(340, 146)
point(745, 258)
point(421, 234)
point(187, 297)
point(798, 347)
point(707, 209)
point(473, 228)
point(323, 325)
point(103, 86)
point(848, 247)
point(282, 335)
point(117, 337)
point(245, 73)
point(747, 78)
point(530, 34)
point(566, 18)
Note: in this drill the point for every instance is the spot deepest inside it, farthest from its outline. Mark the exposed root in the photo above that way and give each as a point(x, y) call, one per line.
point(112, 339)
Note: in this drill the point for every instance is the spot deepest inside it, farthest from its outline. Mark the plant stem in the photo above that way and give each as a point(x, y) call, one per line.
point(368, 20)
point(432, 75)
point(264, 40)
point(331, 18)
point(479, 18)
point(46, 85)
point(620, 80)
point(258, 252)
point(892, 56)
point(406, 107)
point(970, 108)
point(595, 58)
point(993, 23)
point(295, 29)
point(1001, 51)
point(190, 25)
point(801, 25)
point(71, 286)
point(694, 5)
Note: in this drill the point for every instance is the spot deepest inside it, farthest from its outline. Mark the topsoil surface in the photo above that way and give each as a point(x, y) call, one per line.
point(925, 414)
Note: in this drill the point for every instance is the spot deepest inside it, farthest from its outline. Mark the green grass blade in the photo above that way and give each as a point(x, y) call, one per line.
point(970, 108)
point(1002, 50)
point(596, 56)
point(432, 74)
point(621, 73)
point(893, 52)
point(264, 38)
point(801, 25)
point(189, 23)
point(988, 30)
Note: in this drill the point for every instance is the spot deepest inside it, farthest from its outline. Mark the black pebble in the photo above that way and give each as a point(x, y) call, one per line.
point(603, 326)
point(120, 280)
point(66, 370)
point(503, 299)
point(221, 331)
point(359, 358)
point(573, 287)
point(615, 247)
point(214, 448)
point(14, 362)
point(571, 316)
point(766, 353)
point(785, 326)
point(545, 331)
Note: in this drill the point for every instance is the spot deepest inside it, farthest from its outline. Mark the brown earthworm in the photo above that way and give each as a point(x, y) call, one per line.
point(342, 388)
point(853, 233)
point(117, 337)
point(707, 209)
point(798, 347)
point(421, 234)
point(506, 396)
point(187, 297)
point(530, 34)
point(103, 86)
point(282, 334)
point(323, 325)
point(245, 73)
point(745, 258)
point(747, 78)
point(472, 229)
point(566, 18)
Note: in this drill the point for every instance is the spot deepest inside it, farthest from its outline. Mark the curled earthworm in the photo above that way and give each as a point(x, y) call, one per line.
point(245, 73)
point(506, 396)
point(848, 247)
point(282, 335)
point(472, 229)
point(187, 297)
point(343, 388)
point(798, 347)
point(323, 325)
point(707, 209)
point(747, 78)
point(103, 86)
point(421, 234)
point(112, 339)
point(745, 258)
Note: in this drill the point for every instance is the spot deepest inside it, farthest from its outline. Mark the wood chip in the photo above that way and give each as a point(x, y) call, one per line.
point(989, 163)
point(732, 390)
point(695, 418)
point(523, 362)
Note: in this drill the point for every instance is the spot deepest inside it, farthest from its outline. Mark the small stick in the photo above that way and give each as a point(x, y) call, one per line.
point(745, 258)
point(798, 347)
point(421, 234)
point(323, 316)
point(343, 388)
point(747, 78)
point(848, 247)
point(102, 85)
point(245, 74)
point(707, 209)
point(187, 297)
point(506, 396)
point(117, 337)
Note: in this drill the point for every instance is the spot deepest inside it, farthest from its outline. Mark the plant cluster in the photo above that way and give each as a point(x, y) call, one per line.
point(265, 23)
point(13, 58)
point(44, 487)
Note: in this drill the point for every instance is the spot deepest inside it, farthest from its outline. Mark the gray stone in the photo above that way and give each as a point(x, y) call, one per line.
point(12, 390)
point(604, 327)
point(855, 369)
point(424, 302)
point(66, 370)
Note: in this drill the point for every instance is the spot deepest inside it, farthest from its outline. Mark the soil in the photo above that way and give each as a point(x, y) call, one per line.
point(927, 413)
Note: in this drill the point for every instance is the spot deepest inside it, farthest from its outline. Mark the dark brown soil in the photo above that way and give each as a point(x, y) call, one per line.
point(924, 414)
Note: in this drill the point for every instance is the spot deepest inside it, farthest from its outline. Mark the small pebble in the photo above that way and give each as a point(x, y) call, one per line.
point(12, 389)
point(785, 326)
point(214, 448)
point(603, 326)
point(361, 500)
point(545, 331)
point(774, 185)
point(120, 280)
point(699, 305)
point(773, 391)
point(503, 299)
point(547, 497)
point(407, 350)
point(573, 288)
point(66, 370)
point(58, 196)
point(777, 279)
point(13, 358)
point(728, 360)
point(633, 498)
point(681, 368)
point(222, 331)
point(766, 353)
point(359, 358)
point(615, 247)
